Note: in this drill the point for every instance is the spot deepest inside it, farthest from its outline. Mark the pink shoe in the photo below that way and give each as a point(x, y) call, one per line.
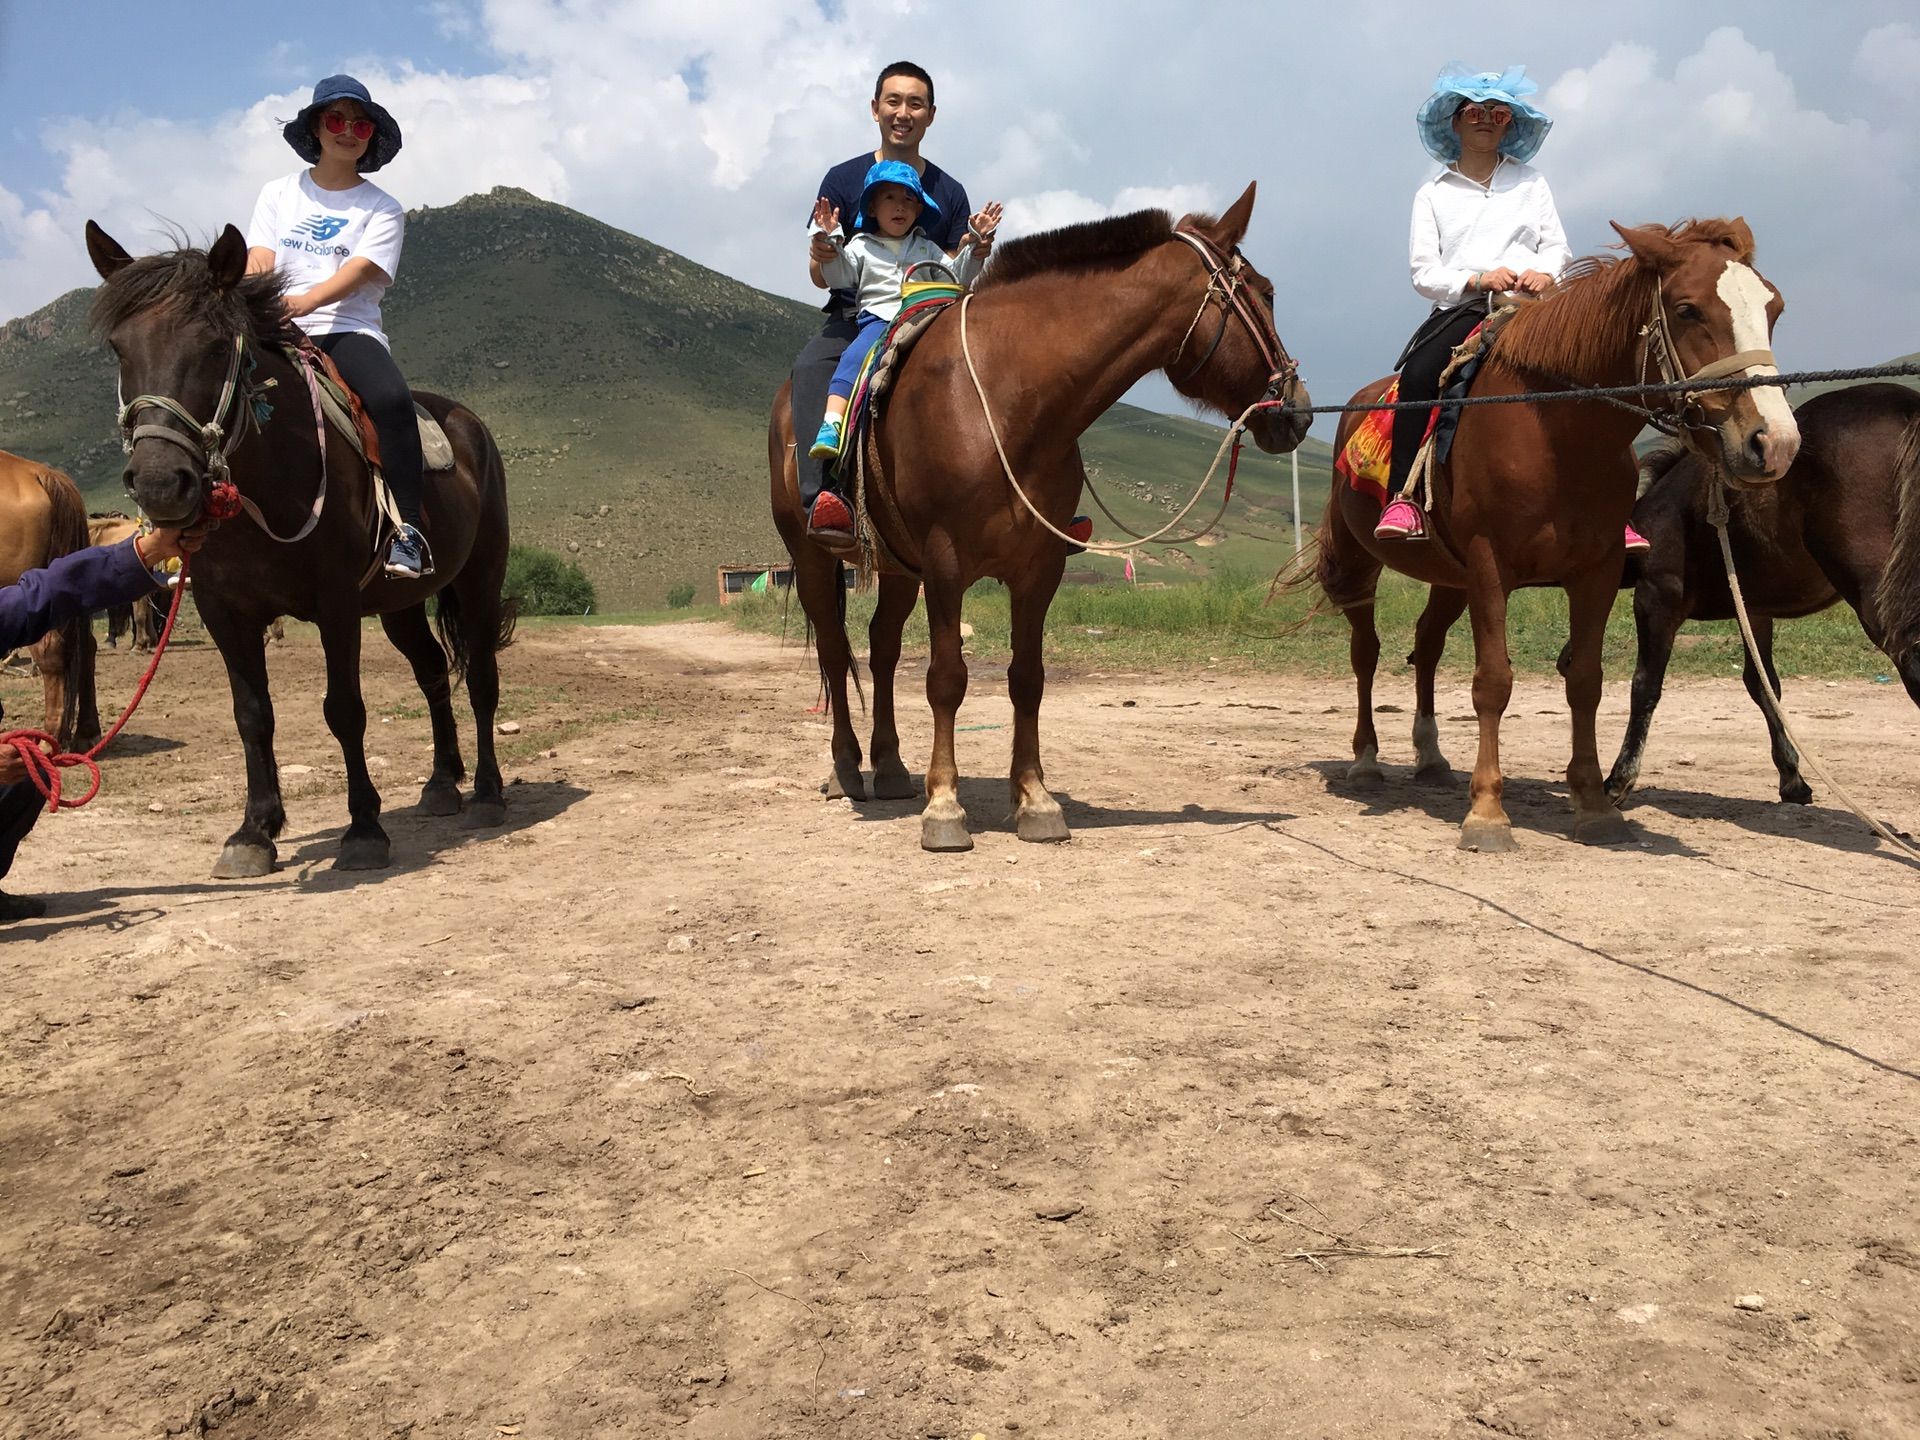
point(1401, 520)
point(1637, 544)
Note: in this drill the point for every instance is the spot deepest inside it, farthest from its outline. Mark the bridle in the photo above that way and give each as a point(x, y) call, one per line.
point(1227, 283)
point(244, 405)
point(1658, 350)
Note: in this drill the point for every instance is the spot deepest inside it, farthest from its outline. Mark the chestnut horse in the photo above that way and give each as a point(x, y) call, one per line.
point(1060, 326)
point(1537, 493)
point(42, 517)
point(195, 335)
point(1842, 524)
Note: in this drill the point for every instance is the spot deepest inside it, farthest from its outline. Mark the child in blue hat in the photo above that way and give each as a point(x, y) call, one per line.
point(890, 237)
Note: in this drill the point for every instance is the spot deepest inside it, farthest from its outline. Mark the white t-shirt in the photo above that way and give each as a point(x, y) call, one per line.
point(1461, 227)
point(313, 232)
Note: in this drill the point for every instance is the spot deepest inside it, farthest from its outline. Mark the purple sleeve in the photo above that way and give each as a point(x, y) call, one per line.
point(75, 584)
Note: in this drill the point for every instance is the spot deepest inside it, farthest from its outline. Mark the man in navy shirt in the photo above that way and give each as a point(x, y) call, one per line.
point(42, 600)
point(903, 109)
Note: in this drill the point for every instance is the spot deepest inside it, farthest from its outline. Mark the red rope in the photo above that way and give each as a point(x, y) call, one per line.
point(41, 753)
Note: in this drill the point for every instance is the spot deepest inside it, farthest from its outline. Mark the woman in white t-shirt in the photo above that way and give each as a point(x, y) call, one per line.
point(1484, 223)
point(336, 237)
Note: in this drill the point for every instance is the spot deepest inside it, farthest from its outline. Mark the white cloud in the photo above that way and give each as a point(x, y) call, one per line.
point(1889, 56)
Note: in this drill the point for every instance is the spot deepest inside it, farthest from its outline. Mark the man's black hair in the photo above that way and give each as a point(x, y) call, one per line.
point(908, 69)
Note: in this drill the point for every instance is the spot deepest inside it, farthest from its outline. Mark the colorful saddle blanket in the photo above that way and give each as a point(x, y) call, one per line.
point(1366, 460)
point(921, 299)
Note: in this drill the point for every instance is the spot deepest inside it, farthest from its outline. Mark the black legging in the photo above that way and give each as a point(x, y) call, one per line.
point(1426, 356)
point(368, 367)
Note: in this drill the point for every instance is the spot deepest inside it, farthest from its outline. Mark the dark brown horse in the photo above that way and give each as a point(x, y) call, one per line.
point(1827, 532)
point(192, 330)
point(1537, 494)
point(42, 517)
point(1061, 325)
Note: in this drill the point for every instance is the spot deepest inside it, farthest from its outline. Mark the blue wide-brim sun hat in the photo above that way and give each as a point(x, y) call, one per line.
point(1457, 85)
point(385, 143)
point(896, 172)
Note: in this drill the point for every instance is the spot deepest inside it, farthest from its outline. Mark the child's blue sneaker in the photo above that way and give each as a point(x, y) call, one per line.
point(826, 445)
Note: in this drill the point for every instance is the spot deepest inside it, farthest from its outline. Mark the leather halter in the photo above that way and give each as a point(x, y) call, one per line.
point(1657, 347)
point(1227, 283)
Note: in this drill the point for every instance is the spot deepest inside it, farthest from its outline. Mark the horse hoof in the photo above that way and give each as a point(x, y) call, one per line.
point(440, 797)
point(1798, 793)
point(1042, 826)
point(846, 782)
point(892, 782)
point(244, 862)
point(1608, 829)
point(1488, 837)
point(1439, 773)
point(371, 852)
point(486, 814)
point(1365, 772)
point(945, 834)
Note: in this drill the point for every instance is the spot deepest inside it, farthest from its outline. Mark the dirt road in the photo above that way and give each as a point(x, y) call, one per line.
point(695, 1104)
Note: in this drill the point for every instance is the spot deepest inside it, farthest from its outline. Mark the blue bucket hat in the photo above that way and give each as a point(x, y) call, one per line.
point(385, 143)
point(896, 172)
point(1456, 85)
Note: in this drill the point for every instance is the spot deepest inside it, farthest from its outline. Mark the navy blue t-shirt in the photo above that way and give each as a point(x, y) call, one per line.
point(842, 186)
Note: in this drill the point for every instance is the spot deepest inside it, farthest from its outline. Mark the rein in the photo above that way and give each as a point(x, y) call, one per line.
point(1226, 282)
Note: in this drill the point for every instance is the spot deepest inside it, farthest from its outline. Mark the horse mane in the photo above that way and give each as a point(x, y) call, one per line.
point(180, 282)
point(1091, 245)
point(1598, 306)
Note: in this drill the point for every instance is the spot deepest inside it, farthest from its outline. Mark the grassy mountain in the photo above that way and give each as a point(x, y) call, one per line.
point(628, 388)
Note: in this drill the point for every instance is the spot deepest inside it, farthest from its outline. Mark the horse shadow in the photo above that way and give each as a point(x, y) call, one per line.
point(1535, 806)
point(990, 811)
point(418, 842)
point(1828, 826)
point(129, 743)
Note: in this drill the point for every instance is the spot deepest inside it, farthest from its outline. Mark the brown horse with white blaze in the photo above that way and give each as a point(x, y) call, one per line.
point(1537, 493)
point(1060, 326)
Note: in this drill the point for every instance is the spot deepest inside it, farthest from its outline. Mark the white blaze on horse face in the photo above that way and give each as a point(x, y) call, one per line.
point(1747, 297)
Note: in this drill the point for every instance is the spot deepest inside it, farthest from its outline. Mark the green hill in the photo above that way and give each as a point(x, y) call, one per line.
point(628, 388)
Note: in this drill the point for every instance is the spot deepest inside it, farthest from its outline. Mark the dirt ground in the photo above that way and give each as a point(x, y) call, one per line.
point(695, 1104)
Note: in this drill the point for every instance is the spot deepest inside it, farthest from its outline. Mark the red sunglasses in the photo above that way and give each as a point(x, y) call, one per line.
point(338, 124)
point(1472, 114)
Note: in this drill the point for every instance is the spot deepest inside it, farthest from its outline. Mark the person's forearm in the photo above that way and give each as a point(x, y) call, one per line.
point(90, 579)
point(352, 276)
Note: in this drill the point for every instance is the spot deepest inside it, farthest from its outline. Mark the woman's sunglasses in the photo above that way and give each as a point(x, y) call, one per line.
point(338, 124)
point(1472, 114)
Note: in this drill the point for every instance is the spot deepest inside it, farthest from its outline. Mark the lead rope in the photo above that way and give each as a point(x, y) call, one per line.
point(1717, 513)
point(1230, 442)
point(40, 752)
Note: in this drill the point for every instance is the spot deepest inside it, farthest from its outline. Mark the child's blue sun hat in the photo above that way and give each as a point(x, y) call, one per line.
point(896, 172)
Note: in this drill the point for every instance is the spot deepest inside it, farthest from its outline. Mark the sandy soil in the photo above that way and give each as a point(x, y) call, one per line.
point(695, 1104)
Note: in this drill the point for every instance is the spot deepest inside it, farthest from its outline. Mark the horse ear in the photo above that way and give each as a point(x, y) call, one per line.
point(1740, 237)
point(227, 258)
point(106, 252)
point(1649, 243)
point(1232, 226)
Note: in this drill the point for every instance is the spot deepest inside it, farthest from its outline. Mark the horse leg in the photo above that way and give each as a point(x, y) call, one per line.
point(365, 845)
point(1444, 606)
point(1659, 608)
point(943, 824)
point(891, 780)
point(1363, 652)
point(1037, 814)
point(1786, 760)
point(412, 636)
point(821, 584)
point(481, 623)
point(249, 851)
point(1596, 819)
point(1487, 827)
point(49, 654)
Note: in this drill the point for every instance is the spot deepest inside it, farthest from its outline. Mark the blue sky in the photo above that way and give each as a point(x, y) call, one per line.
point(704, 127)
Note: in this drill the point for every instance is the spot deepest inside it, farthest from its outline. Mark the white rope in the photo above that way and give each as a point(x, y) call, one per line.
point(1717, 513)
point(1118, 548)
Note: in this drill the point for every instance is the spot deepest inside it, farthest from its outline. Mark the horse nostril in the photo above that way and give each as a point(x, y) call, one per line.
point(1757, 447)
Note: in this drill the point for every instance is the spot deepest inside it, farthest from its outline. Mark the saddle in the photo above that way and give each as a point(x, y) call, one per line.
point(349, 417)
point(1366, 460)
point(858, 467)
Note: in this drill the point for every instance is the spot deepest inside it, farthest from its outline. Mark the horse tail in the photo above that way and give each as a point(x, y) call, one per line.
point(67, 532)
point(1897, 601)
